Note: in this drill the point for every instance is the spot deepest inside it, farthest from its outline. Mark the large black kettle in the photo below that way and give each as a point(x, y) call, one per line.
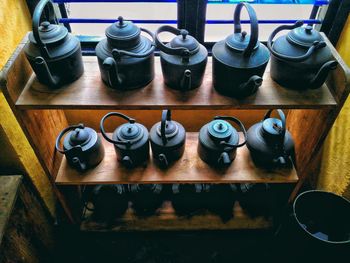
point(240, 60)
point(269, 143)
point(167, 139)
point(125, 57)
point(301, 59)
point(53, 53)
point(183, 59)
point(130, 140)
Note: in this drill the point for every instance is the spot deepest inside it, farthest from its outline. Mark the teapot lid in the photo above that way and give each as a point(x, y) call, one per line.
point(79, 136)
point(184, 40)
point(220, 130)
point(122, 30)
point(239, 41)
point(129, 131)
point(304, 36)
point(171, 129)
point(49, 33)
point(272, 127)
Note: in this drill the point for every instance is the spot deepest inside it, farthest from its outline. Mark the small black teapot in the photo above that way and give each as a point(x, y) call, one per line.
point(218, 141)
point(167, 139)
point(126, 58)
point(269, 143)
point(53, 53)
point(82, 146)
point(300, 60)
point(146, 198)
point(239, 61)
point(130, 140)
point(183, 59)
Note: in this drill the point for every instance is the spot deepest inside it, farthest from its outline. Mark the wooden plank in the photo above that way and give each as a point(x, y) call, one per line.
point(166, 220)
point(189, 169)
point(89, 92)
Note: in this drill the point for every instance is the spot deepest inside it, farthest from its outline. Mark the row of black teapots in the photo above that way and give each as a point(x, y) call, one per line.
point(300, 59)
point(269, 142)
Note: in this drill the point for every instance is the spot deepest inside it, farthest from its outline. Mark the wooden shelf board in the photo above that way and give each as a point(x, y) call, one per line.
point(166, 219)
point(89, 92)
point(189, 169)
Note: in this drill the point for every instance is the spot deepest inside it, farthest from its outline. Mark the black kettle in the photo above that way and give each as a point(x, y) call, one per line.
point(218, 141)
point(82, 146)
point(130, 140)
point(301, 59)
point(53, 53)
point(239, 61)
point(146, 198)
point(125, 57)
point(269, 143)
point(167, 139)
point(183, 59)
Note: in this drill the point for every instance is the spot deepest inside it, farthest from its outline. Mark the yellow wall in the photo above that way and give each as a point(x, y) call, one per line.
point(16, 154)
point(335, 168)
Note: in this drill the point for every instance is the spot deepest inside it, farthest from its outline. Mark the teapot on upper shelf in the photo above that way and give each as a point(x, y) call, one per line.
point(54, 54)
point(301, 59)
point(239, 61)
point(183, 59)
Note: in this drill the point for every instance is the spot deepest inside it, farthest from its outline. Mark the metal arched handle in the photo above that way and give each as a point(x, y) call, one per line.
point(104, 134)
point(254, 26)
point(241, 126)
point(315, 46)
point(117, 53)
point(166, 116)
point(282, 118)
point(178, 51)
point(36, 22)
point(63, 132)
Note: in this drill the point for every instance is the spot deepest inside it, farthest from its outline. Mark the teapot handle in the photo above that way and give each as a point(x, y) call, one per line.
point(166, 116)
point(254, 26)
point(178, 51)
point(63, 132)
point(36, 22)
point(315, 46)
point(282, 118)
point(104, 134)
point(240, 124)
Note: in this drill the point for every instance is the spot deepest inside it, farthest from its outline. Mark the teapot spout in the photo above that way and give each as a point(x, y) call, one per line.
point(44, 73)
point(224, 159)
point(322, 74)
point(79, 164)
point(186, 80)
point(163, 160)
point(114, 78)
point(251, 86)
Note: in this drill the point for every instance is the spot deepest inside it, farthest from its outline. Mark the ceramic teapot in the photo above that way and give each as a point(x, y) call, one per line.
point(218, 141)
point(183, 59)
point(125, 57)
point(167, 139)
point(269, 142)
point(301, 59)
point(240, 60)
point(81, 146)
point(53, 53)
point(130, 140)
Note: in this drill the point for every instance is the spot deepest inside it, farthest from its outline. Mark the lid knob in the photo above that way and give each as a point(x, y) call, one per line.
point(121, 20)
point(244, 33)
point(220, 126)
point(308, 29)
point(184, 33)
point(45, 24)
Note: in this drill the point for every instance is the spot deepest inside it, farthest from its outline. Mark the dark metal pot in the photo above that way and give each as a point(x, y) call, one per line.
point(183, 59)
point(130, 140)
point(218, 141)
point(146, 198)
point(269, 143)
point(125, 58)
point(54, 54)
point(240, 60)
point(300, 60)
point(82, 147)
point(167, 139)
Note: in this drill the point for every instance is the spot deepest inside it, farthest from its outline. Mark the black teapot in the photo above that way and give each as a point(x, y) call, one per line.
point(218, 141)
point(183, 59)
point(300, 60)
point(126, 58)
point(82, 146)
point(167, 139)
point(130, 140)
point(53, 53)
point(146, 198)
point(269, 143)
point(240, 60)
